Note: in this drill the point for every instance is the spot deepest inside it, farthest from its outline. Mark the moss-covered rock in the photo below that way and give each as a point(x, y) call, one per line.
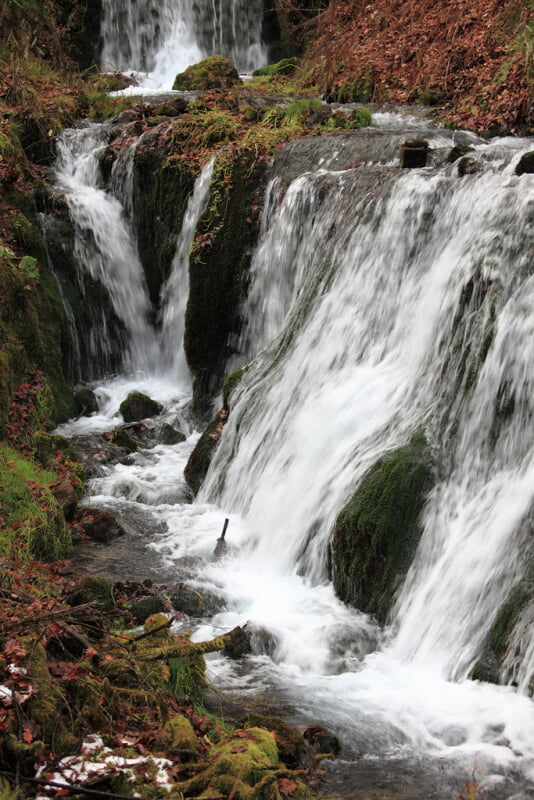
point(214, 72)
point(289, 740)
point(85, 402)
point(219, 264)
point(166, 434)
point(93, 590)
point(97, 524)
point(376, 533)
point(200, 459)
point(138, 406)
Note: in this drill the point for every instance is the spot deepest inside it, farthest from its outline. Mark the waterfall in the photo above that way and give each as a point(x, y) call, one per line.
point(106, 251)
point(371, 291)
point(105, 246)
point(175, 291)
point(163, 38)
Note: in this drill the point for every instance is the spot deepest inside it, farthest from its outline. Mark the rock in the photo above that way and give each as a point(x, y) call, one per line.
point(138, 406)
point(99, 525)
point(90, 590)
point(525, 164)
point(457, 152)
point(85, 402)
point(66, 496)
point(214, 72)
point(321, 740)
point(468, 166)
point(194, 603)
point(239, 644)
point(144, 607)
point(166, 434)
point(200, 459)
point(413, 153)
point(376, 533)
point(121, 438)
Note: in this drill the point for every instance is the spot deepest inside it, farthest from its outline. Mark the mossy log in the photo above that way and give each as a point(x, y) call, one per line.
point(186, 649)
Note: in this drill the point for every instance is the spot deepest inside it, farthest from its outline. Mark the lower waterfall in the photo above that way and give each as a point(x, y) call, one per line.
point(392, 308)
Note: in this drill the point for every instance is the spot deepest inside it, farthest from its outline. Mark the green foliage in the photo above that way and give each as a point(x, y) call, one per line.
point(294, 115)
point(376, 533)
point(214, 72)
point(283, 67)
point(357, 118)
point(32, 522)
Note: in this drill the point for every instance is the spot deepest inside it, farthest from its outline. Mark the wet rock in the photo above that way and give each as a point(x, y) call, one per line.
point(85, 402)
point(214, 72)
point(166, 434)
point(468, 166)
point(121, 438)
point(322, 740)
point(376, 533)
point(126, 117)
point(413, 153)
point(143, 608)
point(239, 644)
point(526, 164)
point(457, 152)
point(99, 525)
point(66, 496)
point(194, 603)
point(200, 459)
point(138, 406)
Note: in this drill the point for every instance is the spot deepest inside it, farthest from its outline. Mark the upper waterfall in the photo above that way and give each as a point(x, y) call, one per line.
point(163, 38)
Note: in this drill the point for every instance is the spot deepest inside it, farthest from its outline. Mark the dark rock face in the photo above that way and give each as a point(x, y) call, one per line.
point(99, 525)
point(85, 402)
point(194, 603)
point(200, 459)
point(138, 406)
point(66, 496)
point(526, 164)
point(376, 533)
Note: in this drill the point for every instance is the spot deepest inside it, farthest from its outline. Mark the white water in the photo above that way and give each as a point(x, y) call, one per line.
point(364, 293)
point(106, 249)
point(162, 38)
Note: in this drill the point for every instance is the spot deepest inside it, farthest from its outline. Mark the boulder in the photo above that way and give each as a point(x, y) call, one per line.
point(376, 533)
point(138, 406)
point(99, 525)
point(525, 164)
point(166, 434)
point(214, 72)
point(66, 496)
point(85, 402)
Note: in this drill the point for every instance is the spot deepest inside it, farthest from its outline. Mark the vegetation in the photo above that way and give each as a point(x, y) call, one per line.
point(214, 72)
point(376, 533)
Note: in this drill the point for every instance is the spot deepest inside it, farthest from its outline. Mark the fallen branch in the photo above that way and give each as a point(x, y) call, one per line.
point(186, 649)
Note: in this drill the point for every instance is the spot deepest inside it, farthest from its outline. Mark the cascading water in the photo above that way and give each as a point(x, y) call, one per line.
point(388, 302)
point(163, 38)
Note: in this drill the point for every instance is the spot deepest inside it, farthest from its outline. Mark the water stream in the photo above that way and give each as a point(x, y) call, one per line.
point(373, 313)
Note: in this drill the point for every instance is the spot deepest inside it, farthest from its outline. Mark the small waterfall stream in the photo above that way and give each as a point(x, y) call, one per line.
point(376, 310)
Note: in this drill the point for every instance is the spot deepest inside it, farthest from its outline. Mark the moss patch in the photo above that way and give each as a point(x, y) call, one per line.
point(376, 533)
point(32, 523)
point(214, 72)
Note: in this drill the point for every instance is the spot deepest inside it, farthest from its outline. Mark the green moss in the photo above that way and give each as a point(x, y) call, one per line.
point(93, 590)
point(231, 382)
point(289, 740)
point(33, 524)
point(506, 619)
point(219, 263)
point(283, 67)
point(214, 72)
point(376, 534)
point(138, 406)
point(200, 459)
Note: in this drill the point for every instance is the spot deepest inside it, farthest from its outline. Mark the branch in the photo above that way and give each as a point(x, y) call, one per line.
point(189, 648)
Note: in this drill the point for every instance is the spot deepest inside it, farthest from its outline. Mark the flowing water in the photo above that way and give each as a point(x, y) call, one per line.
point(379, 306)
point(161, 38)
